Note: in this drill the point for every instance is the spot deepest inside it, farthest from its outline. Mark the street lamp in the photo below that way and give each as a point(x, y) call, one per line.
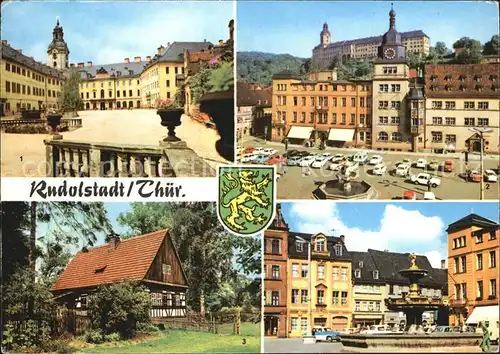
point(309, 338)
point(481, 132)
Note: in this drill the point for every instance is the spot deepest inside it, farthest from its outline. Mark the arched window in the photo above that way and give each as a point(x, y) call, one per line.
point(110, 94)
point(102, 93)
point(138, 105)
point(87, 106)
point(55, 64)
point(130, 104)
point(382, 136)
point(118, 105)
point(396, 136)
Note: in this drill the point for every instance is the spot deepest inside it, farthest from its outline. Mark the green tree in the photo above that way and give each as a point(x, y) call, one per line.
point(440, 49)
point(492, 46)
point(199, 84)
point(70, 100)
point(468, 51)
point(119, 308)
point(222, 77)
point(355, 69)
point(414, 60)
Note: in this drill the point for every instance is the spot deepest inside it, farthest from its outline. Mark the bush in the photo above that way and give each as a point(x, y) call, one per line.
point(27, 129)
point(119, 308)
point(26, 336)
point(94, 336)
point(148, 328)
point(112, 337)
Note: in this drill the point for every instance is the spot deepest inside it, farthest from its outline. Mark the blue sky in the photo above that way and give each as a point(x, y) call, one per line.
point(399, 227)
point(107, 32)
point(294, 27)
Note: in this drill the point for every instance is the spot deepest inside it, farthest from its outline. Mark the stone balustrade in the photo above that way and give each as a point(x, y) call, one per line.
point(70, 158)
point(15, 122)
point(71, 123)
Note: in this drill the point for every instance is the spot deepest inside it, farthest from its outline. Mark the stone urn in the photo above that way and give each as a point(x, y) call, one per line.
point(54, 121)
point(170, 118)
point(220, 107)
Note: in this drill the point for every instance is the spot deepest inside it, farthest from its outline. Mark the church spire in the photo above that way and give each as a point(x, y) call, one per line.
point(392, 18)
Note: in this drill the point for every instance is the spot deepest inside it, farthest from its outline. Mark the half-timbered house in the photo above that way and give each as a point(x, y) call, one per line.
point(150, 259)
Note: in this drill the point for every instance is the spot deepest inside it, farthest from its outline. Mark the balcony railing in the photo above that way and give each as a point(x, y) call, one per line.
point(70, 158)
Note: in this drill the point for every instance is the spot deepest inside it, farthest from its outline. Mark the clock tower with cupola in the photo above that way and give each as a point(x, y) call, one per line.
point(58, 52)
point(391, 131)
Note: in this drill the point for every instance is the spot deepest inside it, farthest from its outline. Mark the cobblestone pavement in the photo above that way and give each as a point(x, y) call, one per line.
point(295, 345)
point(141, 127)
point(294, 185)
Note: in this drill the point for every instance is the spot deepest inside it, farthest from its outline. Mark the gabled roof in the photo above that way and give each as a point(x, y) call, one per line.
point(175, 52)
point(130, 260)
point(367, 268)
point(470, 220)
point(331, 242)
point(113, 69)
point(390, 263)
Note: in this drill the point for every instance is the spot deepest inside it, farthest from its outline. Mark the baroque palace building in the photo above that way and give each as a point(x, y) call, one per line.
point(364, 48)
point(348, 289)
point(473, 256)
point(395, 110)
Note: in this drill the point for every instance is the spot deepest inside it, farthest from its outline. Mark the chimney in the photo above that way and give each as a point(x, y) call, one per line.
point(89, 64)
point(443, 264)
point(72, 65)
point(148, 59)
point(127, 60)
point(137, 59)
point(160, 49)
point(81, 65)
point(342, 238)
point(168, 44)
point(221, 42)
point(114, 241)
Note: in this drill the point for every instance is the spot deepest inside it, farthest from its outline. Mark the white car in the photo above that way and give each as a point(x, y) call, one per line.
point(248, 158)
point(429, 196)
point(426, 179)
point(379, 329)
point(421, 163)
point(319, 162)
point(269, 152)
point(307, 161)
point(326, 154)
point(403, 170)
point(379, 169)
point(257, 151)
point(490, 176)
point(375, 160)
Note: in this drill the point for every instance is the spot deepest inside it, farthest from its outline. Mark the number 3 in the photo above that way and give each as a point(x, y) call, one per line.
point(244, 341)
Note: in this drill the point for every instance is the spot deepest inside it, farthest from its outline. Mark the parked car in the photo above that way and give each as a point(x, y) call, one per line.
point(409, 195)
point(421, 163)
point(403, 170)
point(360, 157)
point(433, 165)
point(319, 162)
point(307, 161)
point(275, 159)
point(490, 176)
point(442, 329)
point(404, 162)
point(269, 152)
point(448, 166)
point(379, 169)
point(294, 160)
point(260, 159)
point(429, 196)
point(257, 151)
point(375, 160)
point(291, 153)
point(474, 176)
point(325, 334)
point(426, 179)
point(378, 329)
point(326, 154)
point(248, 150)
point(247, 158)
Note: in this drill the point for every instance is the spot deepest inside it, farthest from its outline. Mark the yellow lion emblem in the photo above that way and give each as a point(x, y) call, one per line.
point(250, 191)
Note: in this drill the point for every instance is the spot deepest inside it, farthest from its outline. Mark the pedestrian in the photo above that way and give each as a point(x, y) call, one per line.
point(486, 342)
point(283, 168)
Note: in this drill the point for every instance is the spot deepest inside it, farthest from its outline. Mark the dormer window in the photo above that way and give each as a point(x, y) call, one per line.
point(100, 270)
point(361, 264)
point(320, 245)
point(478, 78)
point(448, 87)
point(299, 246)
point(463, 87)
point(479, 87)
point(357, 273)
point(433, 77)
point(462, 78)
point(434, 87)
point(447, 77)
point(493, 78)
point(375, 274)
point(338, 249)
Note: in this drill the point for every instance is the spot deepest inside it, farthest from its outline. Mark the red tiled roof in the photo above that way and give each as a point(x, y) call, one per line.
point(130, 260)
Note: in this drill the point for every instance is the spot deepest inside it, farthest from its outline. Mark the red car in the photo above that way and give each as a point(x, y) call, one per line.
point(274, 159)
point(248, 150)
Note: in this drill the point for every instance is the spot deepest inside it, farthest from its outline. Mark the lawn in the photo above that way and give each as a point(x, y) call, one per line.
point(178, 341)
point(246, 329)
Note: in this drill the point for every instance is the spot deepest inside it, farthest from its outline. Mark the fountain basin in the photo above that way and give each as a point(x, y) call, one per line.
point(401, 342)
point(332, 189)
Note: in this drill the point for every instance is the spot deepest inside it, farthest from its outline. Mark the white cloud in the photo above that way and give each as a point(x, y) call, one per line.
point(400, 230)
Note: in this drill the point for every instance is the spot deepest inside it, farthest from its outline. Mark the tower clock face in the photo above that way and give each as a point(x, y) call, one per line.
point(389, 53)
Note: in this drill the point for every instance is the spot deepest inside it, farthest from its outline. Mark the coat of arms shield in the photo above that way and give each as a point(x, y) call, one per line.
point(246, 199)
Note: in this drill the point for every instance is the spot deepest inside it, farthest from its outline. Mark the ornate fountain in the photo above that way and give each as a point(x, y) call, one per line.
point(413, 339)
point(345, 185)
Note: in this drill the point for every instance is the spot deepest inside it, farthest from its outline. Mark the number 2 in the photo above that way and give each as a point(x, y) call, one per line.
point(487, 186)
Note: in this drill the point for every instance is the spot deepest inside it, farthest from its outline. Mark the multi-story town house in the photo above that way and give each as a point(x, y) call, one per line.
point(251, 103)
point(461, 97)
point(111, 86)
point(321, 109)
point(327, 300)
point(415, 42)
point(275, 277)
point(473, 247)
